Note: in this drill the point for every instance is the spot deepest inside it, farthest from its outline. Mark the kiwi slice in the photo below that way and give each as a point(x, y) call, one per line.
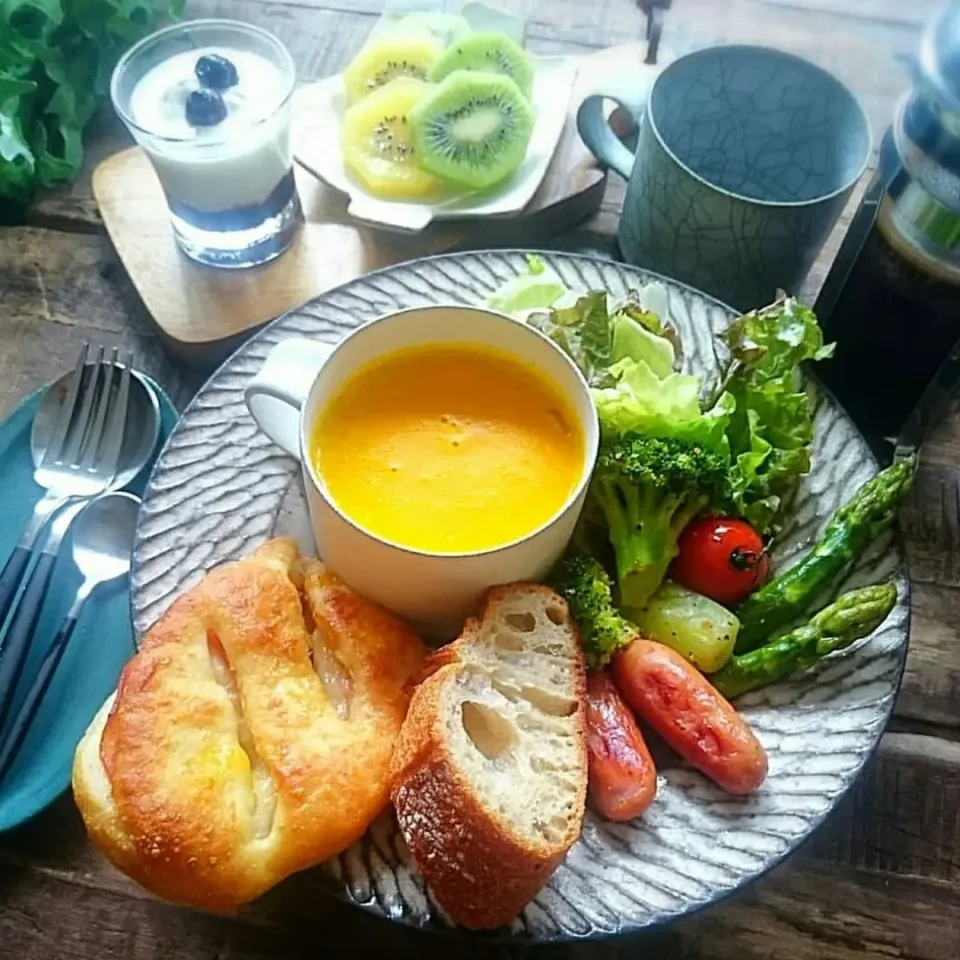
point(472, 129)
point(487, 50)
point(384, 58)
point(378, 151)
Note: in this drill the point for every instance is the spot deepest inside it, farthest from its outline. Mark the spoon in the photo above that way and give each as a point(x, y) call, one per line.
point(139, 440)
point(103, 535)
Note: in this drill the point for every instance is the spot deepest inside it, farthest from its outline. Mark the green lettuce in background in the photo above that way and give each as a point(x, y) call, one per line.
point(56, 58)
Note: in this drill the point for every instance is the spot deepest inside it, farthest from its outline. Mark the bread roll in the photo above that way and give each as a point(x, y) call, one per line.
point(225, 761)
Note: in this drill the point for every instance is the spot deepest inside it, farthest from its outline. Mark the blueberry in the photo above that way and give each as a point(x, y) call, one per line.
point(216, 72)
point(205, 108)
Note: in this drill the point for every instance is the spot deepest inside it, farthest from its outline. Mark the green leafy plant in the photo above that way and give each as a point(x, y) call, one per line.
point(56, 58)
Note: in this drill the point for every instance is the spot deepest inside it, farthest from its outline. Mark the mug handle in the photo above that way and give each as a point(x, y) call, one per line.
point(596, 132)
point(276, 395)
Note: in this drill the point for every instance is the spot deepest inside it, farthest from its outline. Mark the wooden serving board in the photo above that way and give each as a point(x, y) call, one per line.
point(204, 313)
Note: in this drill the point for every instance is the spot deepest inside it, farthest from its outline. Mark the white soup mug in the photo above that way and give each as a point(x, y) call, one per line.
point(434, 591)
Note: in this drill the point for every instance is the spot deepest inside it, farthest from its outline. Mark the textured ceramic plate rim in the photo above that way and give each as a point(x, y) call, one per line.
point(323, 100)
point(338, 887)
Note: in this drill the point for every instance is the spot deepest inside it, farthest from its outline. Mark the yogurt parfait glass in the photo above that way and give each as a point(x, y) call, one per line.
point(209, 101)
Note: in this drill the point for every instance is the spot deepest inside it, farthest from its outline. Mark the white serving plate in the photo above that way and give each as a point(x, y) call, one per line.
point(318, 113)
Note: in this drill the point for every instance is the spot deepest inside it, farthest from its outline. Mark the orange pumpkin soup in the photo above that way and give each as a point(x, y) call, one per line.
point(448, 449)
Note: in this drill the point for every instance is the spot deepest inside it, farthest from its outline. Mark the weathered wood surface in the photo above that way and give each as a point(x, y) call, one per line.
point(879, 881)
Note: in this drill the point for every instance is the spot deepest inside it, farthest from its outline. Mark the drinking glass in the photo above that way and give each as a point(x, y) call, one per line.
point(229, 186)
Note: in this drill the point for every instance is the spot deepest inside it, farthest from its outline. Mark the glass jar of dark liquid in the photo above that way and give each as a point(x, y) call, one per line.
point(897, 313)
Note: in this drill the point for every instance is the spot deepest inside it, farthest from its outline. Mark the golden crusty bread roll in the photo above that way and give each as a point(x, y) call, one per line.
point(251, 736)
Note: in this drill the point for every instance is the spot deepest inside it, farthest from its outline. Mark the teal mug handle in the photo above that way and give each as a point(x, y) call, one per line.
point(597, 133)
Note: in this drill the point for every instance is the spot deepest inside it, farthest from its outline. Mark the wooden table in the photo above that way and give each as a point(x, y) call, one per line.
point(880, 880)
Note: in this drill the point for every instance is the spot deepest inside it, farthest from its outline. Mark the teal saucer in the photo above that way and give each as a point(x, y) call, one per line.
point(101, 644)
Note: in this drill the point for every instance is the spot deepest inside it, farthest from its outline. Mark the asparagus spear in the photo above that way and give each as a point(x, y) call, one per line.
point(870, 511)
point(852, 615)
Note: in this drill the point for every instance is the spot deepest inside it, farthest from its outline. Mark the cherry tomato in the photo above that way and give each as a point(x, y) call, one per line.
point(720, 557)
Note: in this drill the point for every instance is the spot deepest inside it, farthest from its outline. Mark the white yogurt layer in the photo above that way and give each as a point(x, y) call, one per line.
point(235, 163)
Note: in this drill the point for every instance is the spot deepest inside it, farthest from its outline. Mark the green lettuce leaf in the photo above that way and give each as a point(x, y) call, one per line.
point(771, 428)
point(537, 289)
point(640, 400)
point(647, 306)
point(633, 340)
point(56, 58)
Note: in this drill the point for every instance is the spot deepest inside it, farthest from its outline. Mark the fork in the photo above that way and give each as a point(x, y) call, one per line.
point(80, 462)
point(70, 467)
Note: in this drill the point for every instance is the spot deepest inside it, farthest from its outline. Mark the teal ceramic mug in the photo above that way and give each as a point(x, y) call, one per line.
point(745, 159)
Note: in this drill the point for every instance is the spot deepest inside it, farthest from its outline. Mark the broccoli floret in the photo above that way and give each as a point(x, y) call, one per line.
point(648, 489)
point(586, 587)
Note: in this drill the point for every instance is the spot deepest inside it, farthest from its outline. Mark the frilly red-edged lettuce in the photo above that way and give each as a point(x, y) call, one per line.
point(598, 332)
point(582, 330)
point(591, 328)
point(771, 425)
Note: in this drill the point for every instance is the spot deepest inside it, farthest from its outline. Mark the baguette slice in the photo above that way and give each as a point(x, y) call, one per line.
point(489, 775)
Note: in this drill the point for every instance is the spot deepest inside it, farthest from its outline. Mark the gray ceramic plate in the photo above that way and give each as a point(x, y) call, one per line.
point(220, 487)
